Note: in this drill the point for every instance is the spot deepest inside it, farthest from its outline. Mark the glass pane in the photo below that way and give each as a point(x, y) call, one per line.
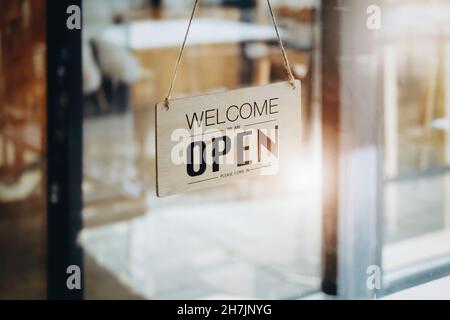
point(257, 238)
point(22, 149)
point(417, 140)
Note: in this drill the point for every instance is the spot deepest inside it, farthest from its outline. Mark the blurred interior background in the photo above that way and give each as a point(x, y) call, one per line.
point(258, 238)
point(239, 240)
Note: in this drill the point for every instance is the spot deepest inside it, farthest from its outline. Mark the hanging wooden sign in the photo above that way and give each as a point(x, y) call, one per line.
point(217, 138)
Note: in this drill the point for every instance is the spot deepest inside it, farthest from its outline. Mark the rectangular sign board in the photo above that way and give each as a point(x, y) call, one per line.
point(213, 139)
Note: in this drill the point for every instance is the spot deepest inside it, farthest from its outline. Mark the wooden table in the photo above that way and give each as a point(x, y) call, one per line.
point(212, 58)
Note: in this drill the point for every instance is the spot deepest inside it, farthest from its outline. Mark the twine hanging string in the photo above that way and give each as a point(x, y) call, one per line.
point(287, 66)
point(177, 65)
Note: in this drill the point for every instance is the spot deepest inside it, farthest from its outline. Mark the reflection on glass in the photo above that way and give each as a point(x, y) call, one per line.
point(258, 238)
point(417, 135)
point(22, 149)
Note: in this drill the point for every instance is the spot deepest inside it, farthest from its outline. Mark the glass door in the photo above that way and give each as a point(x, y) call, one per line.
point(257, 238)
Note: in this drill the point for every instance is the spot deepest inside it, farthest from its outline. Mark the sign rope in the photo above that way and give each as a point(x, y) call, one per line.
point(177, 65)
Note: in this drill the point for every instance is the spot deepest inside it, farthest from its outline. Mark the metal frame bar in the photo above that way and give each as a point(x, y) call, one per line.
point(352, 149)
point(64, 137)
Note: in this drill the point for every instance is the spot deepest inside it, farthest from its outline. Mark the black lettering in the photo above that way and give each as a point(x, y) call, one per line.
point(241, 148)
point(194, 116)
point(272, 106)
point(228, 110)
point(208, 117)
point(268, 143)
point(218, 120)
point(215, 152)
point(190, 159)
point(264, 108)
point(250, 113)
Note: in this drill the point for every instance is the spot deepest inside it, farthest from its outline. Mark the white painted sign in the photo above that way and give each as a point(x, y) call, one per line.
point(217, 138)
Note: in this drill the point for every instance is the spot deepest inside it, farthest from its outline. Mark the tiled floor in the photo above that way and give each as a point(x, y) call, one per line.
point(229, 241)
point(233, 241)
point(416, 206)
point(226, 242)
point(23, 249)
point(265, 249)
